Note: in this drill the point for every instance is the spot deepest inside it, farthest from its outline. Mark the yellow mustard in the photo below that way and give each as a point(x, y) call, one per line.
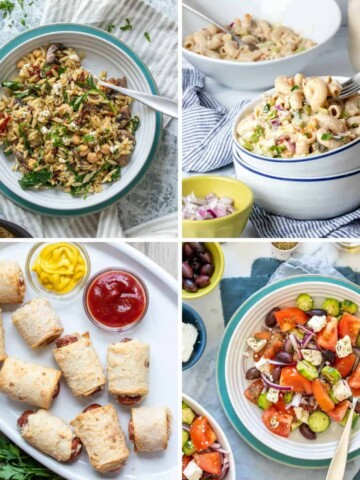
point(60, 267)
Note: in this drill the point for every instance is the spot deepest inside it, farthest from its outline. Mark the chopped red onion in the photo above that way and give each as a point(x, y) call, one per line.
point(307, 339)
point(306, 329)
point(282, 388)
point(208, 208)
point(186, 427)
point(295, 345)
point(281, 364)
point(296, 400)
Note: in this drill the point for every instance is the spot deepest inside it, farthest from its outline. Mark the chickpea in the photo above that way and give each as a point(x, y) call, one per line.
point(99, 155)
point(83, 150)
point(105, 149)
point(31, 163)
point(76, 139)
point(37, 53)
point(92, 157)
point(20, 64)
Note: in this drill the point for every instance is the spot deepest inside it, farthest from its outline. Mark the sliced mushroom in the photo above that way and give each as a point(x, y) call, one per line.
point(124, 116)
point(19, 156)
point(51, 53)
point(128, 135)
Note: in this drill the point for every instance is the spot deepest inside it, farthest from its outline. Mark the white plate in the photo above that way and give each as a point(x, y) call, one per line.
point(102, 52)
point(245, 416)
point(158, 328)
point(222, 439)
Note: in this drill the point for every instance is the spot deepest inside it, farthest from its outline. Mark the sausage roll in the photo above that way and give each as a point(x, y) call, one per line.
point(29, 382)
point(37, 323)
point(2, 340)
point(100, 432)
point(80, 364)
point(128, 371)
point(12, 284)
point(150, 428)
point(49, 434)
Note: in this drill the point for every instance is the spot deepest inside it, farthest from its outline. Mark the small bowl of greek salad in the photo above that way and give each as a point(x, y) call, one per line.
point(303, 366)
point(206, 452)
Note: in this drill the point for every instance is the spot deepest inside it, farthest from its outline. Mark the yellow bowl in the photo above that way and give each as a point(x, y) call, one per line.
point(219, 264)
point(231, 226)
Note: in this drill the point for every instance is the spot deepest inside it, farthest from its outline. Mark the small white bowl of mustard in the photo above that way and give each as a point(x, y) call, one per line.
point(58, 270)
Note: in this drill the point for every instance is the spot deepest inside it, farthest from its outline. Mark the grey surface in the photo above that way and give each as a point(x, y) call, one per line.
point(165, 254)
point(156, 195)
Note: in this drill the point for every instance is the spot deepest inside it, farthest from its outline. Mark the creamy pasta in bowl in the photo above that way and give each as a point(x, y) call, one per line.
point(300, 128)
point(262, 41)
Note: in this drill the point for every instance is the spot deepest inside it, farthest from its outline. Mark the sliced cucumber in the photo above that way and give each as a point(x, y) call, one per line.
point(354, 422)
point(319, 421)
point(188, 448)
point(263, 402)
point(185, 437)
point(349, 307)
point(288, 396)
point(331, 375)
point(307, 370)
point(332, 306)
point(184, 405)
point(188, 415)
point(305, 302)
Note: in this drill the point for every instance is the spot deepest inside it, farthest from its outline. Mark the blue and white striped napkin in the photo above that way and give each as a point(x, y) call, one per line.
point(207, 146)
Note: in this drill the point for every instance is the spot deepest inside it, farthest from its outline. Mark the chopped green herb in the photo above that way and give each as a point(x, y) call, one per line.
point(90, 82)
point(7, 7)
point(344, 115)
point(326, 136)
point(61, 70)
point(127, 25)
point(24, 137)
point(23, 22)
point(14, 86)
point(88, 138)
point(278, 149)
point(77, 101)
point(21, 3)
point(117, 174)
point(147, 36)
point(7, 151)
point(110, 28)
point(134, 124)
point(35, 179)
point(295, 87)
point(266, 108)
point(57, 141)
point(66, 97)
point(259, 132)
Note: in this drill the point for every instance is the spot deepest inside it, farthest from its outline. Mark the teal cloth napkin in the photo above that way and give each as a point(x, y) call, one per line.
point(234, 291)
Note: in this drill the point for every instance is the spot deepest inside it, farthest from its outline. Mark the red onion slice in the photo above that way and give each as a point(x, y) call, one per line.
point(281, 364)
point(307, 339)
point(282, 388)
point(295, 345)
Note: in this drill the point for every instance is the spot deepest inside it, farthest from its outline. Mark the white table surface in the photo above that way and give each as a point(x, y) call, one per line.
point(334, 62)
point(200, 381)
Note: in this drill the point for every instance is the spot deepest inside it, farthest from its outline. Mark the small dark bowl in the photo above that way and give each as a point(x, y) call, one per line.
point(189, 315)
point(14, 229)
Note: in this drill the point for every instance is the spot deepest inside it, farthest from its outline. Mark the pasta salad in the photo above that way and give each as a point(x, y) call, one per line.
point(303, 117)
point(263, 41)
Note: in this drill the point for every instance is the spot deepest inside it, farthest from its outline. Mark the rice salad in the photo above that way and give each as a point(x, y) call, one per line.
point(64, 129)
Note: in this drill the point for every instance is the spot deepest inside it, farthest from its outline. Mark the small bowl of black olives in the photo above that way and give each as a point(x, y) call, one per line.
point(202, 268)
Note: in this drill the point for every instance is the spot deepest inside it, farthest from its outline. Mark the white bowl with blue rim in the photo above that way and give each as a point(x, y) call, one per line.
point(317, 20)
point(315, 198)
point(245, 417)
point(334, 162)
point(102, 52)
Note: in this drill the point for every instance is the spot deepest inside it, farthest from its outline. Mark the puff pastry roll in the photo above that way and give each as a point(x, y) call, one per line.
point(49, 434)
point(150, 428)
point(100, 432)
point(12, 283)
point(128, 371)
point(37, 323)
point(29, 382)
point(2, 339)
point(80, 364)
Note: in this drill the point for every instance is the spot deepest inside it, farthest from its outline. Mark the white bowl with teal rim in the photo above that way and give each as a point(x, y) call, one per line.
point(245, 417)
point(102, 52)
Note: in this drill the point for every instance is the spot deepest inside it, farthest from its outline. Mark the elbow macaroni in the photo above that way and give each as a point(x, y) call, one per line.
point(303, 117)
point(271, 41)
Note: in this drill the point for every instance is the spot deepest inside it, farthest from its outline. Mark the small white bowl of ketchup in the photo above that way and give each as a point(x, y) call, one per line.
point(116, 299)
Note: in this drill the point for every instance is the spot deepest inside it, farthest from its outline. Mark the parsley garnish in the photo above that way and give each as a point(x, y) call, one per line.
point(134, 124)
point(326, 136)
point(147, 36)
point(88, 138)
point(127, 25)
point(35, 179)
point(110, 28)
point(7, 7)
point(255, 137)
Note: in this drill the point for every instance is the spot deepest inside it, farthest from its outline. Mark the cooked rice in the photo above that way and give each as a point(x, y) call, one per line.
point(65, 130)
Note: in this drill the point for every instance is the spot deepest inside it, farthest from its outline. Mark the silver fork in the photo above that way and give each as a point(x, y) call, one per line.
point(351, 86)
point(156, 102)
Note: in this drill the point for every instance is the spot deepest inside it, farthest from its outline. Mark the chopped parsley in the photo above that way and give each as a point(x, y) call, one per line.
point(134, 124)
point(278, 149)
point(23, 135)
point(147, 36)
point(259, 132)
point(326, 136)
point(110, 28)
point(89, 138)
point(35, 179)
point(117, 174)
point(295, 87)
point(266, 108)
point(56, 139)
point(6, 7)
point(127, 26)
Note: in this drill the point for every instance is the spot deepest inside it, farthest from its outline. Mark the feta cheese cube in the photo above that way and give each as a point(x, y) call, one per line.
point(263, 366)
point(343, 347)
point(44, 130)
point(189, 337)
point(73, 126)
point(317, 323)
point(341, 390)
point(66, 140)
point(114, 148)
point(312, 356)
point(301, 414)
point(255, 344)
point(272, 395)
point(193, 471)
point(56, 89)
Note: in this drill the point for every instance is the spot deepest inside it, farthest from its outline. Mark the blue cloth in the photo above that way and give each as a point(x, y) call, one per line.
point(207, 146)
point(234, 291)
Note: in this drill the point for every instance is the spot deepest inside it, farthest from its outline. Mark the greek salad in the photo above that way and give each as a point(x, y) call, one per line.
point(305, 369)
point(203, 458)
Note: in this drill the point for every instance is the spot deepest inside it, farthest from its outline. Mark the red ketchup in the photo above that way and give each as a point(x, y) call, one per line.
point(116, 299)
